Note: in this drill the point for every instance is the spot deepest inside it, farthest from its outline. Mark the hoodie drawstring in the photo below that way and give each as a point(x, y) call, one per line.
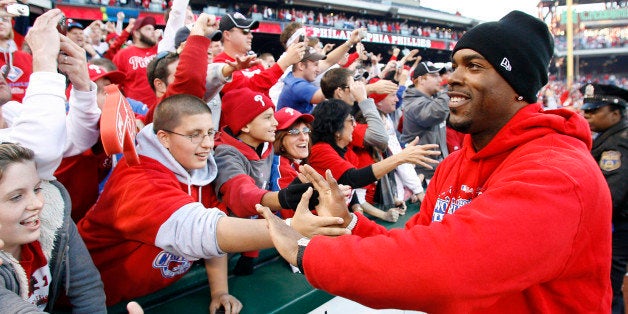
point(67, 269)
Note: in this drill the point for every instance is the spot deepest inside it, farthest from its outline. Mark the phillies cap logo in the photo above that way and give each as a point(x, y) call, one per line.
point(260, 99)
point(95, 68)
point(290, 111)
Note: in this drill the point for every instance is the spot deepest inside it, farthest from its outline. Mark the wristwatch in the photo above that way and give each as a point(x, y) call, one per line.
point(303, 242)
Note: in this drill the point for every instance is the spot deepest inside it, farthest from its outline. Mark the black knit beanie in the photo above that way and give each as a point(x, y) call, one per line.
point(519, 46)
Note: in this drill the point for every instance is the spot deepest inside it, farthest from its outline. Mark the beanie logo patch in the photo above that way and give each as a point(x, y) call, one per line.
point(506, 64)
point(260, 99)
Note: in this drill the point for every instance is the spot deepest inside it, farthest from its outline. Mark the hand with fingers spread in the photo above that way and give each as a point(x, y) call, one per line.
point(73, 63)
point(43, 39)
point(331, 198)
point(240, 63)
point(419, 154)
point(412, 55)
point(285, 238)
point(309, 225)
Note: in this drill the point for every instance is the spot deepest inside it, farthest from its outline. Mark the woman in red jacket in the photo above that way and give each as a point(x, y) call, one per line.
point(332, 137)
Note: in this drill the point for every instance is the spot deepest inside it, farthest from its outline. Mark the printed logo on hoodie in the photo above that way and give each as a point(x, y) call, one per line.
point(171, 265)
point(450, 201)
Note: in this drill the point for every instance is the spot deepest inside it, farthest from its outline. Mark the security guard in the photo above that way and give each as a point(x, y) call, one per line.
point(604, 108)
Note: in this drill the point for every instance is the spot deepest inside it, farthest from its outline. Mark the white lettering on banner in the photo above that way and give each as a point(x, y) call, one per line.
point(409, 41)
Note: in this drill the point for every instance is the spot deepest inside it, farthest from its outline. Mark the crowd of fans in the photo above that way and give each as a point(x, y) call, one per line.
point(206, 132)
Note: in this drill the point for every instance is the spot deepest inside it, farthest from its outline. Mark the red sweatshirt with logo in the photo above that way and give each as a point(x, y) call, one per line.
point(521, 226)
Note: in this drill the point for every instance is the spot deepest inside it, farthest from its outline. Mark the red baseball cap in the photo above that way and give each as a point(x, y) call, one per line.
point(96, 72)
point(287, 116)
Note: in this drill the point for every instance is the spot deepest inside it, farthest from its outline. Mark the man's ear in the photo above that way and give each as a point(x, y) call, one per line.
point(160, 86)
point(163, 138)
point(245, 129)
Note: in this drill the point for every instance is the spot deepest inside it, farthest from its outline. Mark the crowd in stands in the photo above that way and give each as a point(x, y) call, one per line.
point(215, 138)
point(613, 37)
point(343, 20)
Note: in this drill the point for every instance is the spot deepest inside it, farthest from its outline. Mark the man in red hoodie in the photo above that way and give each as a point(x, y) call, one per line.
point(516, 221)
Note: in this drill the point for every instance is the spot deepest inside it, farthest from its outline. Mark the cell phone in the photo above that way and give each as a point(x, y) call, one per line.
point(62, 26)
point(301, 38)
point(17, 9)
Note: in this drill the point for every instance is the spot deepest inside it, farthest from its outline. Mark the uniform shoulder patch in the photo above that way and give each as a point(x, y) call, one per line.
point(610, 160)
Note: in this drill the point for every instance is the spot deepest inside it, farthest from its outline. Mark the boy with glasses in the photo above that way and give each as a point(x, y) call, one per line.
point(153, 220)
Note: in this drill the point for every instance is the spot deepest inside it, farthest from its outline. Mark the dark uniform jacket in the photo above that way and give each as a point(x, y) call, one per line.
point(610, 150)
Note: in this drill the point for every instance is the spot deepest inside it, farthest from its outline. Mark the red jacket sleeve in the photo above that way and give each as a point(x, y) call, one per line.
point(190, 76)
point(260, 82)
point(240, 194)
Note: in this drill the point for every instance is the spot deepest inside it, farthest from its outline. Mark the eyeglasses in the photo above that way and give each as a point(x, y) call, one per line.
point(343, 87)
point(195, 138)
point(350, 119)
point(295, 132)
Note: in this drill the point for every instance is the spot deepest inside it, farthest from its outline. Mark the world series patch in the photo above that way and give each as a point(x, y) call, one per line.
point(610, 160)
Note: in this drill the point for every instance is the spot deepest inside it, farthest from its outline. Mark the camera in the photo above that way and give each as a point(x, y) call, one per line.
point(17, 9)
point(62, 26)
point(363, 33)
point(301, 38)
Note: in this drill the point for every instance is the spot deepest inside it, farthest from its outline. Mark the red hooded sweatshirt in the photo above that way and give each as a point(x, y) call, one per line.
point(521, 226)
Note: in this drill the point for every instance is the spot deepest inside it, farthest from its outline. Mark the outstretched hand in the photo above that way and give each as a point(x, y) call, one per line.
point(418, 154)
point(309, 225)
point(284, 238)
point(331, 198)
point(243, 62)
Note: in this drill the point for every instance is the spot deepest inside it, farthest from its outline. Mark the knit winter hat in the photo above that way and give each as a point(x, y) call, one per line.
point(241, 106)
point(519, 46)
